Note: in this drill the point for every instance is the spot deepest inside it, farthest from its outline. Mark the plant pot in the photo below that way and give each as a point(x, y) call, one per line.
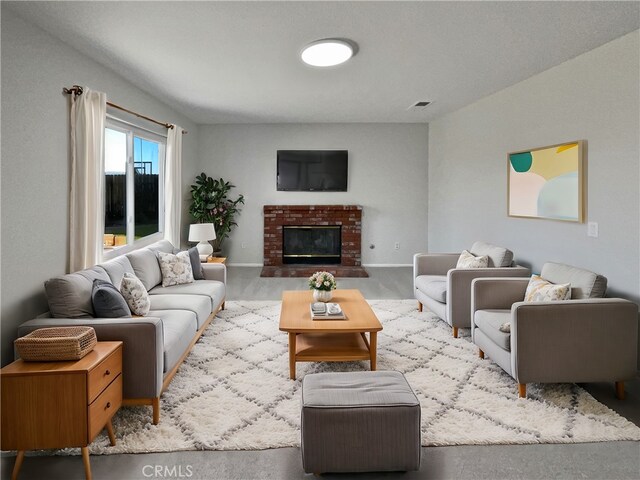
point(217, 253)
point(322, 295)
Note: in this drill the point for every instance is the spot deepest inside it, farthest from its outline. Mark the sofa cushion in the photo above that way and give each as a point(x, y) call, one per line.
point(540, 290)
point(196, 264)
point(498, 256)
point(469, 260)
point(178, 329)
point(135, 294)
point(176, 269)
point(146, 267)
point(116, 269)
point(434, 286)
point(107, 300)
point(490, 321)
point(162, 246)
point(69, 296)
point(212, 289)
point(584, 284)
point(198, 304)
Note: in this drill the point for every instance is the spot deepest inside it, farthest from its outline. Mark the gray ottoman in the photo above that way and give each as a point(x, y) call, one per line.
point(359, 422)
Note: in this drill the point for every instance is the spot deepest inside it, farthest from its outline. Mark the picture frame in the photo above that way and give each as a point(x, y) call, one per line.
point(547, 182)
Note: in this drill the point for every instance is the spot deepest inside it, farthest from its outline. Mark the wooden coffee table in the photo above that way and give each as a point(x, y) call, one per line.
point(329, 340)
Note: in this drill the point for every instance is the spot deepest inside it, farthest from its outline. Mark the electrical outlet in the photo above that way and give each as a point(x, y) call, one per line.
point(243, 245)
point(592, 229)
point(397, 246)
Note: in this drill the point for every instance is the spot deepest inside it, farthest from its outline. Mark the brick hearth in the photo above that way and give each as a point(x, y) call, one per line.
point(348, 216)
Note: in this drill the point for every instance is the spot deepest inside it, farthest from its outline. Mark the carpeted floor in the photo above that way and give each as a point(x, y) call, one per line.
point(233, 391)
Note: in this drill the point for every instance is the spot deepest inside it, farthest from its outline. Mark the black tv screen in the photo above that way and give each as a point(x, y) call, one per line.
point(312, 170)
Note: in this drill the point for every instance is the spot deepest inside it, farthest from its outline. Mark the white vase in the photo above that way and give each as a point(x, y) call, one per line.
point(322, 295)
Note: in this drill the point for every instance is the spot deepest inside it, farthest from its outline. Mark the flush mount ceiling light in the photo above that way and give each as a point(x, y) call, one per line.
point(328, 52)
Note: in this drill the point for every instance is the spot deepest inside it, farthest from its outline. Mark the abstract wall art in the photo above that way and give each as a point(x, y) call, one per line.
point(547, 182)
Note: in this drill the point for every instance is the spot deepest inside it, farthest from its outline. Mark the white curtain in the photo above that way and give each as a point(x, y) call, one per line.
point(173, 186)
point(86, 215)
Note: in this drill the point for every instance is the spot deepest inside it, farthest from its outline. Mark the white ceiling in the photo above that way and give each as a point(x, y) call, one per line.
point(238, 62)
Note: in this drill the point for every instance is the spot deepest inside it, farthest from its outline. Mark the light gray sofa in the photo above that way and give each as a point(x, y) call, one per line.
point(586, 339)
point(446, 290)
point(154, 345)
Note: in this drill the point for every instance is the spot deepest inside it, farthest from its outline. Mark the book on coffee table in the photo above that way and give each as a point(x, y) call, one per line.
point(326, 311)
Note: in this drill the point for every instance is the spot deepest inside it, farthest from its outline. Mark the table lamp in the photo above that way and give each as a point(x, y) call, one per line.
point(202, 233)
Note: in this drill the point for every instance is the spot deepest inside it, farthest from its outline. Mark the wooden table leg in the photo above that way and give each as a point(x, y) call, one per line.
point(17, 465)
point(112, 437)
point(85, 460)
point(373, 346)
point(292, 355)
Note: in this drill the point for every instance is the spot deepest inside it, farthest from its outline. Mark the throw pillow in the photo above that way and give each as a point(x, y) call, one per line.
point(107, 301)
point(176, 269)
point(505, 327)
point(135, 294)
point(196, 264)
point(468, 260)
point(540, 290)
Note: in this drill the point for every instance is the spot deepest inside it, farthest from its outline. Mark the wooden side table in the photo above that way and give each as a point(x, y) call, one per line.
point(216, 259)
point(61, 404)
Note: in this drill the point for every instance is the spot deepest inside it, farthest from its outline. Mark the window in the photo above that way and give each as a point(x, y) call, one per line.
point(134, 180)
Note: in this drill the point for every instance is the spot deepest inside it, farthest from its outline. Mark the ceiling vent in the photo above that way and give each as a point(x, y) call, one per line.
point(419, 105)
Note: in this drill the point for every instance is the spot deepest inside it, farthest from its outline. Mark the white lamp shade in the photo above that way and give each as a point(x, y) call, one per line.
point(201, 232)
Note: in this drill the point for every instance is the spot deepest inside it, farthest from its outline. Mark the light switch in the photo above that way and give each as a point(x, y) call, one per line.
point(592, 229)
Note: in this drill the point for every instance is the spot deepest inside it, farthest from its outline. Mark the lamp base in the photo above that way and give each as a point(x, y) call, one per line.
point(204, 248)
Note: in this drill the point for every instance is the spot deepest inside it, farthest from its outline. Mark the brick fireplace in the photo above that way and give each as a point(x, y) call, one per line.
point(278, 218)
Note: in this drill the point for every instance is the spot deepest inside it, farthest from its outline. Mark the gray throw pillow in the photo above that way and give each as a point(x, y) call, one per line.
point(107, 301)
point(196, 264)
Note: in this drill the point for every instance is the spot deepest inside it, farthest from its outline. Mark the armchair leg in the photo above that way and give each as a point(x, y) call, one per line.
point(155, 403)
point(522, 390)
point(419, 307)
point(620, 390)
point(480, 353)
point(455, 332)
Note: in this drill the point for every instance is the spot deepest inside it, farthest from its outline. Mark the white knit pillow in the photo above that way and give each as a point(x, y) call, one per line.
point(176, 269)
point(540, 290)
point(135, 294)
point(468, 260)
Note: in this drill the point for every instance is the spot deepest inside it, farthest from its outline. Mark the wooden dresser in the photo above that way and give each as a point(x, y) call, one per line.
point(60, 404)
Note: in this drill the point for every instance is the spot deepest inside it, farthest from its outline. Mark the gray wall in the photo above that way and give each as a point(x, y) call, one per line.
point(35, 167)
point(387, 176)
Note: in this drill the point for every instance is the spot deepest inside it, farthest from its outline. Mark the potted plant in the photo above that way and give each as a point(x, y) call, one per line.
point(210, 204)
point(322, 283)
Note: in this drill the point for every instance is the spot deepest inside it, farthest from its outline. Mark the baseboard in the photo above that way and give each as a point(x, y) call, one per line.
point(376, 265)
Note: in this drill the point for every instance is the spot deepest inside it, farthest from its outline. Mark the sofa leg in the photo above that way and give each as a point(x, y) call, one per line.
point(620, 390)
point(155, 403)
point(222, 306)
point(522, 390)
point(419, 307)
point(455, 332)
point(480, 353)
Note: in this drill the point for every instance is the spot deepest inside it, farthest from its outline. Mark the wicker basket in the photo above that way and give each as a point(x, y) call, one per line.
point(55, 344)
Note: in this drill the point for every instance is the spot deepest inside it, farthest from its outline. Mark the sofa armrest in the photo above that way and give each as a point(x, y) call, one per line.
point(459, 289)
point(497, 293)
point(587, 340)
point(215, 271)
point(434, 263)
point(142, 349)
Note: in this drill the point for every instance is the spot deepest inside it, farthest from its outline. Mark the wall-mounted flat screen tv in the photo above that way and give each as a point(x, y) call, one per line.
point(312, 170)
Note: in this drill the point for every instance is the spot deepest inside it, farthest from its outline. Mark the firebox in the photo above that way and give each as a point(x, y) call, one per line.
point(311, 244)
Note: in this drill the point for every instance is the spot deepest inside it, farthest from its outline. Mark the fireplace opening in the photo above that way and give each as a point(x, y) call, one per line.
point(315, 245)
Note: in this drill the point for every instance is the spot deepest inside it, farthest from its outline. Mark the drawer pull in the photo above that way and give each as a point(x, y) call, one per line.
point(107, 372)
point(108, 405)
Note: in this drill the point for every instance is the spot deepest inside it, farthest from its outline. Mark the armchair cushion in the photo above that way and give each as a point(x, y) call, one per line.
point(498, 256)
point(584, 284)
point(490, 321)
point(469, 260)
point(540, 290)
point(434, 286)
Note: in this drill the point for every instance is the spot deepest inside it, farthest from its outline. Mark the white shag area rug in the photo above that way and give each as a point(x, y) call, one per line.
point(233, 391)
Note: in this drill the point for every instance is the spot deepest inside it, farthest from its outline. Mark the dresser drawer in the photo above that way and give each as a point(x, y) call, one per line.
point(103, 407)
point(104, 373)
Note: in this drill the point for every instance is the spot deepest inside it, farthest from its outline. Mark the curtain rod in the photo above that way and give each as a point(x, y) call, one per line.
point(77, 90)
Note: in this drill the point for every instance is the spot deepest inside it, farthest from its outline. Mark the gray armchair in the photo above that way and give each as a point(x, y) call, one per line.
point(446, 290)
point(586, 339)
